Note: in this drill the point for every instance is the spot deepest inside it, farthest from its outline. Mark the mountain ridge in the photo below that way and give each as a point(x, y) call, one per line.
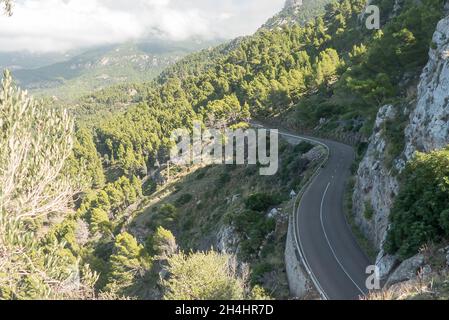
point(105, 66)
point(296, 12)
point(293, 4)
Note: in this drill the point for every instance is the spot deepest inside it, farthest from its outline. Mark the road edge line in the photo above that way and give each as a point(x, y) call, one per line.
point(330, 245)
point(298, 198)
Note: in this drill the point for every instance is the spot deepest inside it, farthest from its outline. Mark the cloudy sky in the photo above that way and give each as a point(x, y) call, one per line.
point(61, 25)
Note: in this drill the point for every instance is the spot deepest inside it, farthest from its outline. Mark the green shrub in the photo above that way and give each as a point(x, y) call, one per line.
point(168, 210)
point(444, 221)
point(420, 212)
point(395, 136)
point(369, 211)
point(178, 188)
point(184, 199)
point(166, 217)
point(224, 179)
point(303, 147)
point(254, 227)
point(362, 147)
point(201, 174)
point(149, 187)
point(261, 201)
point(203, 276)
point(259, 270)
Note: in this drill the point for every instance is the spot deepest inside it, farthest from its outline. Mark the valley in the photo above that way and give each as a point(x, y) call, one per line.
point(100, 68)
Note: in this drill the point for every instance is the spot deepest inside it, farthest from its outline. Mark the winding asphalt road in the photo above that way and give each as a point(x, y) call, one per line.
point(336, 262)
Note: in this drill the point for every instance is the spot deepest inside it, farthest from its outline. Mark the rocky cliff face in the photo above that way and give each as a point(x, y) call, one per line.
point(429, 124)
point(426, 130)
point(376, 184)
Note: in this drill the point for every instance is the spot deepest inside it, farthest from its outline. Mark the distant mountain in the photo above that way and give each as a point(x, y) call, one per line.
point(296, 12)
point(105, 66)
point(29, 60)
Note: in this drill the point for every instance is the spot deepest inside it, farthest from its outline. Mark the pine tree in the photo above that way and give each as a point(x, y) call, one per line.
point(162, 244)
point(99, 221)
point(128, 264)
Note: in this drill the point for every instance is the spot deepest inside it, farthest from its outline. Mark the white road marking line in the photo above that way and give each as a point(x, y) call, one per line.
point(298, 236)
point(329, 244)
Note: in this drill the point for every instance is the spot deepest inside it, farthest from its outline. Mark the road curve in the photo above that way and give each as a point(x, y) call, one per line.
point(325, 240)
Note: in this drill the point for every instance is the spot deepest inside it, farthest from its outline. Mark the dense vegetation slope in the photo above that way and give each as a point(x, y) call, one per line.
point(327, 77)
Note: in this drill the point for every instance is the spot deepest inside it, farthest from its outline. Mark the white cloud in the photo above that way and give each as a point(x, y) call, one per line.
point(60, 25)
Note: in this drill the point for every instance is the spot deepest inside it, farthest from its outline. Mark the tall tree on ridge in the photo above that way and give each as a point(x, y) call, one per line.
point(8, 5)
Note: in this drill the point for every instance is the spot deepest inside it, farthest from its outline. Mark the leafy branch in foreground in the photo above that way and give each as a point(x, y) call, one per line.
point(34, 144)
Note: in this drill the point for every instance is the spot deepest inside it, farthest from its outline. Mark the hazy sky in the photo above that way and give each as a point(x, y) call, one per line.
point(60, 25)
